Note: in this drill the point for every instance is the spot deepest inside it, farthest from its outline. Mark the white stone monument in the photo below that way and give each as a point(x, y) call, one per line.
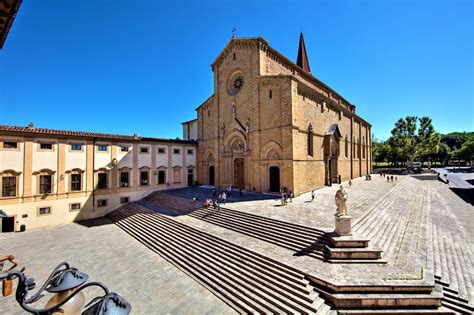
point(343, 220)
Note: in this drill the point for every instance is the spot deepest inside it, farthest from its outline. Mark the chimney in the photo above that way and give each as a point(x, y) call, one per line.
point(30, 125)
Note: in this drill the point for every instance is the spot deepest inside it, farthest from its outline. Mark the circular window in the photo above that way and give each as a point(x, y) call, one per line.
point(236, 84)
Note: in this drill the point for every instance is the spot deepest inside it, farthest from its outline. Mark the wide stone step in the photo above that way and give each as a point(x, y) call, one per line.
point(257, 229)
point(295, 234)
point(253, 258)
point(313, 250)
point(253, 292)
point(303, 291)
point(282, 225)
point(154, 233)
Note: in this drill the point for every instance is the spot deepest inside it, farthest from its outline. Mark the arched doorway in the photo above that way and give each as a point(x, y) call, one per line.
point(239, 177)
point(274, 174)
point(331, 154)
point(211, 175)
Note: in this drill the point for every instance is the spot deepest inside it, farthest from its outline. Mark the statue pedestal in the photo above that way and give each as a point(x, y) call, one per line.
point(343, 225)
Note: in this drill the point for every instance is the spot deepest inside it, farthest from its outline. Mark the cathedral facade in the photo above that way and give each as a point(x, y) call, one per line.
point(270, 124)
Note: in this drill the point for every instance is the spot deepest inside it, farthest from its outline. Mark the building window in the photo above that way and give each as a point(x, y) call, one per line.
point(46, 146)
point(124, 199)
point(144, 178)
point(102, 181)
point(270, 94)
point(310, 140)
point(10, 145)
point(190, 151)
point(363, 148)
point(76, 147)
point(346, 147)
point(161, 177)
point(44, 210)
point(143, 149)
point(177, 175)
point(234, 56)
point(101, 202)
point(9, 186)
point(45, 184)
point(102, 147)
point(75, 207)
point(161, 150)
point(124, 148)
point(124, 179)
point(75, 182)
point(208, 112)
point(176, 151)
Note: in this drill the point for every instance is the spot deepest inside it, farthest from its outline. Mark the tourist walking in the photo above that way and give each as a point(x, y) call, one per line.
point(224, 197)
point(350, 183)
point(290, 195)
point(312, 196)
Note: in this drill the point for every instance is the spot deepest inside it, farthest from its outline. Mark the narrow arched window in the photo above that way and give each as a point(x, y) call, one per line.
point(363, 147)
point(310, 140)
point(270, 94)
point(346, 147)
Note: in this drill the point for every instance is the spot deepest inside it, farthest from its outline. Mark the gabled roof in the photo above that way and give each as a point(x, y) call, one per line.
point(262, 43)
point(334, 130)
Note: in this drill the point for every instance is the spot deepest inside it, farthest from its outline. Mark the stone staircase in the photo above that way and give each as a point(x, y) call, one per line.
point(413, 235)
point(247, 281)
point(302, 240)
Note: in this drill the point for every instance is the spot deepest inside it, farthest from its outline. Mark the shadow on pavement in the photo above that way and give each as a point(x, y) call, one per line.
point(465, 194)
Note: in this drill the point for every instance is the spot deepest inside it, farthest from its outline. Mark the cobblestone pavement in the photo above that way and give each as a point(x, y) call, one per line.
point(107, 254)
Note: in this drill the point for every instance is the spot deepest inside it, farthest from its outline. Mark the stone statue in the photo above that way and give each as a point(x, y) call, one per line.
point(341, 198)
point(222, 130)
point(247, 128)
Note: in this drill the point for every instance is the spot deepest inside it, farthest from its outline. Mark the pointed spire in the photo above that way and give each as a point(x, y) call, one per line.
point(302, 59)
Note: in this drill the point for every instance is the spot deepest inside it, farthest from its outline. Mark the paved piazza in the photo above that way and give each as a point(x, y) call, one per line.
point(415, 222)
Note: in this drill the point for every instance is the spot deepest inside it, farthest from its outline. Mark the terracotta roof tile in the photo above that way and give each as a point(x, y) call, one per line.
point(83, 134)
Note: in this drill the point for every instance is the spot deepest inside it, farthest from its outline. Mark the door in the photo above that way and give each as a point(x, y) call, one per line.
point(190, 177)
point(239, 181)
point(211, 175)
point(274, 173)
point(8, 224)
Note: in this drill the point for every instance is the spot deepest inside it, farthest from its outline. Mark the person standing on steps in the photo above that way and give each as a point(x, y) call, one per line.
point(224, 197)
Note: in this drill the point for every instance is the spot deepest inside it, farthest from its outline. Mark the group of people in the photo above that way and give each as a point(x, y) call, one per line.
point(390, 178)
point(285, 195)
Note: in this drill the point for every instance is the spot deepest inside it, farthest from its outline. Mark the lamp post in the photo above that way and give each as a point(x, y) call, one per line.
point(67, 284)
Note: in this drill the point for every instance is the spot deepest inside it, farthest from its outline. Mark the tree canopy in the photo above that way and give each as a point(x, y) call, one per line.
point(415, 138)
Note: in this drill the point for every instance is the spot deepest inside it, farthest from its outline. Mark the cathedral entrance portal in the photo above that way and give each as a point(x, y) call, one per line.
point(274, 173)
point(331, 154)
point(239, 181)
point(211, 175)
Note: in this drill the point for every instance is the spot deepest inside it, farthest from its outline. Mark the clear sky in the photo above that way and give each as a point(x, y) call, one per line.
point(144, 66)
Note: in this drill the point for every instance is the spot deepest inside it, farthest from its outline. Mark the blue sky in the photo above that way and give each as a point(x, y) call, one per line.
point(144, 66)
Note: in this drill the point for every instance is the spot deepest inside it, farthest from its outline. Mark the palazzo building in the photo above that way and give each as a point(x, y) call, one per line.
point(270, 123)
point(56, 176)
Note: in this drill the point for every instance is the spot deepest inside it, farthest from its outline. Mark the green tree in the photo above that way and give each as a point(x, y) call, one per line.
point(403, 141)
point(428, 141)
point(466, 152)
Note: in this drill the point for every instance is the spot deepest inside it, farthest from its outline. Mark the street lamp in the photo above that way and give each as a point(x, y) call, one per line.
point(67, 284)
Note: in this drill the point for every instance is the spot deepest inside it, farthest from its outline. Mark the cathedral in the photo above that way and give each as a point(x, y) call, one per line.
point(271, 123)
